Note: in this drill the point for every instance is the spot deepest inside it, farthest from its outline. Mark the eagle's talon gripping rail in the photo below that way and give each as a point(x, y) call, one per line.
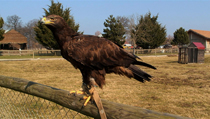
point(91, 94)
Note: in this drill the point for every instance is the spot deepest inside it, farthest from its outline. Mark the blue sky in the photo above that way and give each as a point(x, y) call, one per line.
point(91, 14)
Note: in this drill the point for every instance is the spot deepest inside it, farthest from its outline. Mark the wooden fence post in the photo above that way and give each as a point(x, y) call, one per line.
point(155, 52)
point(64, 98)
point(33, 53)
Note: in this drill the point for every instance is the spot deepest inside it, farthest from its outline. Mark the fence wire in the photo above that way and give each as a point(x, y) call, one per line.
point(18, 105)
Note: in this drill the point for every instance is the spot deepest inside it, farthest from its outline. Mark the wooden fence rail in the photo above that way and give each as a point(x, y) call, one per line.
point(30, 52)
point(57, 52)
point(64, 98)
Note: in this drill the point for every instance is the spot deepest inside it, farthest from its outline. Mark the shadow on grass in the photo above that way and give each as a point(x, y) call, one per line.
point(172, 62)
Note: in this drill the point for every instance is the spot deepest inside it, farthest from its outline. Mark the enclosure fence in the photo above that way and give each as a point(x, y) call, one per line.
point(39, 53)
point(30, 53)
point(159, 51)
point(18, 105)
point(35, 53)
point(23, 99)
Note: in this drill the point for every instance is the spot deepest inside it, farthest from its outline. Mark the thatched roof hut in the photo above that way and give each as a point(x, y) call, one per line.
point(13, 40)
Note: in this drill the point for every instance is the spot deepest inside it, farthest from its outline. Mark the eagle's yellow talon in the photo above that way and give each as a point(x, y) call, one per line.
point(77, 92)
point(85, 97)
point(72, 92)
point(88, 99)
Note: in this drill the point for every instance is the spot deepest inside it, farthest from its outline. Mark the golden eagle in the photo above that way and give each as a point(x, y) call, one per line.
point(94, 56)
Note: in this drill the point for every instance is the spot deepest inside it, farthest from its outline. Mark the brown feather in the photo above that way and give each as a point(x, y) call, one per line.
point(94, 56)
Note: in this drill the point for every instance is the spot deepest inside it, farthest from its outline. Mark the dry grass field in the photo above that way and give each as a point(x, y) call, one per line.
point(180, 89)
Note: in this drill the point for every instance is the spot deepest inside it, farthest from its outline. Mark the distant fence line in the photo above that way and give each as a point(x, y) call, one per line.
point(30, 52)
point(57, 52)
point(21, 98)
point(140, 52)
point(154, 51)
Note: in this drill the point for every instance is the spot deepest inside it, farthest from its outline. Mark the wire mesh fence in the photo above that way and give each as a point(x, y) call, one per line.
point(18, 105)
point(20, 99)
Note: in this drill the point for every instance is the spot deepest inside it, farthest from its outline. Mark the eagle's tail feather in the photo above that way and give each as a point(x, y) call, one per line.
point(132, 72)
point(144, 64)
point(138, 74)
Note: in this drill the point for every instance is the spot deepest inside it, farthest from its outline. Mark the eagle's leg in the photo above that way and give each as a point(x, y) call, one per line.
point(89, 90)
point(93, 94)
point(82, 92)
point(86, 90)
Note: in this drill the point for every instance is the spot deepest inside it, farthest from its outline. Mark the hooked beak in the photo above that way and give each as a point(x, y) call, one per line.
point(45, 21)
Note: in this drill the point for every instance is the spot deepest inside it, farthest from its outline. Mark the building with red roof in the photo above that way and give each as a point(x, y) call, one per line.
point(200, 36)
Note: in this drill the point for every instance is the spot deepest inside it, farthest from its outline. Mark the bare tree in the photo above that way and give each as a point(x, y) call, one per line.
point(130, 25)
point(13, 22)
point(133, 29)
point(125, 22)
point(28, 31)
point(169, 39)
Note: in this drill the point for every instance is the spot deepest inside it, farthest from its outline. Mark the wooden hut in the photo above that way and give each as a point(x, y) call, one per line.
point(183, 55)
point(194, 53)
point(13, 40)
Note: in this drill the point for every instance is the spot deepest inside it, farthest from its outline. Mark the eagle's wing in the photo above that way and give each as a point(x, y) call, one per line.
point(98, 52)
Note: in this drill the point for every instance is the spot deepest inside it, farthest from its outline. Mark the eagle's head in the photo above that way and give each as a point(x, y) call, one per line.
point(53, 21)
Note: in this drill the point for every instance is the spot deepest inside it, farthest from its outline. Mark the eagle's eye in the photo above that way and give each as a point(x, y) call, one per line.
point(52, 18)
